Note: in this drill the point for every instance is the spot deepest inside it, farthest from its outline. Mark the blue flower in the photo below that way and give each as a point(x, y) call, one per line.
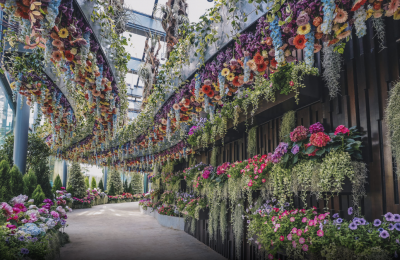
point(389, 216)
point(339, 220)
point(24, 251)
point(362, 221)
point(391, 226)
point(21, 238)
point(397, 226)
point(384, 234)
point(380, 229)
point(336, 215)
point(353, 226)
point(350, 211)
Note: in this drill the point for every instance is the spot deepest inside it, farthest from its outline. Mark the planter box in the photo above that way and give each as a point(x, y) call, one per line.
point(166, 221)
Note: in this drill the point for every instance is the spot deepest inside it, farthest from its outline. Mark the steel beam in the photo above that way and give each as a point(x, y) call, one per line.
point(105, 178)
point(145, 25)
point(65, 173)
point(21, 134)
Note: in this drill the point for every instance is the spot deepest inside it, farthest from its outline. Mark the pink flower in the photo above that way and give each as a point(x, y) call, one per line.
point(8, 210)
point(302, 240)
point(305, 230)
point(304, 220)
point(289, 237)
point(55, 214)
point(11, 226)
point(292, 219)
point(294, 230)
point(320, 233)
point(299, 134)
point(250, 184)
point(319, 139)
point(256, 177)
point(311, 223)
point(24, 221)
point(16, 210)
point(281, 238)
point(321, 217)
point(299, 232)
point(294, 244)
point(263, 180)
point(305, 248)
point(342, 130)
point(270, 256)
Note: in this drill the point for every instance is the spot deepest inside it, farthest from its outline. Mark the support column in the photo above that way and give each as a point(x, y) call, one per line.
point(145, 183)
point(105, 178)
point(65, 174)
point(35, 116)
point(21, 134)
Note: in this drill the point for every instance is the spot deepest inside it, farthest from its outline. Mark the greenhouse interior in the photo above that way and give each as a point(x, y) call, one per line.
point(200, 129)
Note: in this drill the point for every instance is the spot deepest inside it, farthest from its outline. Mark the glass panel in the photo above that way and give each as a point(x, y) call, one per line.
point(141, 6)
point(6, 117)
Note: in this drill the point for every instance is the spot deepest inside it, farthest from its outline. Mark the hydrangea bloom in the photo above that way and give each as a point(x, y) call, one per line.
point(317, 127)
point(319, 139)
point(295, 149)
point(298, 134)
point(342, 130)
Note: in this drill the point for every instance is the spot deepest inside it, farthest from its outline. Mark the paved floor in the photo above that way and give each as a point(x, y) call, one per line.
point(120, 231)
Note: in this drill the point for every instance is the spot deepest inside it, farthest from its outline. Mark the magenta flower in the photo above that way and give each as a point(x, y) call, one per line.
point(316, 128)
point(304, 220)
point(320, 233)
point(289, 237)
point(299, 232)
point(305, 248)
point(311, 223)
point(302, 240)
point(294, 244)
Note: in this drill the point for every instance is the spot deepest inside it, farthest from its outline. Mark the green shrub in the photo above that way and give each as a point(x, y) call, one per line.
point(93, 184)
point(30, 183)
point(101, 185)
point(5, 181)
point(57, 184)
point(77, 182)
point(111, 191)
point(87, 182)
point(38, 195)
point(16, 182)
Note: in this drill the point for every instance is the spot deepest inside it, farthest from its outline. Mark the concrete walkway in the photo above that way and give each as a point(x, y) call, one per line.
point(120, 231)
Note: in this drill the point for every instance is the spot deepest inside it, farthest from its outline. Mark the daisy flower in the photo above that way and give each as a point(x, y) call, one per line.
point(303, 30)
point(341, 16)
point(300, 42)
point(231, 76)
point(225, 72)
point(63, 33)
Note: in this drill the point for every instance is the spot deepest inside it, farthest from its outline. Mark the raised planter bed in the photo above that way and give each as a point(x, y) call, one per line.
point(166, 221)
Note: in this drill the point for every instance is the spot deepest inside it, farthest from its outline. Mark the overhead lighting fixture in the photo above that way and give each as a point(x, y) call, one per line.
point(210, 1)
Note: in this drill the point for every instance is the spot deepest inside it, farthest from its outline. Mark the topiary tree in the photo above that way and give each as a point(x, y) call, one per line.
point(70, 189)
point(77, 182)
point(87, 182)
point(16, 182)
point(137, 183)
point(130, 188)
point(126, 187)
point(38, 195)
point(115, 178)
point(93, 185)
point(57, 184)
point(111, 191)
point(30, 183)
point(101, 185)
point(5, 181)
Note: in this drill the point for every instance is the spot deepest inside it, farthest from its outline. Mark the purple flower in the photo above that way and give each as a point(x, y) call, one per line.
point(281, 148)
point(316, 128)
point(24, 251)
point(248, 221)
point(377, 222)
point(21, 238)
point(349, 210)
point(384, 234)
point(391, 226)
point(397, 226)
point(353, 226)
point(389, 216)
point(295, 149)
point(302, 19)
point(357, 222)
point(362, 221)
point(336, 215)
point(396, 218)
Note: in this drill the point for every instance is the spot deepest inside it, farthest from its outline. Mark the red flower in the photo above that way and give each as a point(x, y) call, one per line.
point(206, 89)
point(282, 238)
point(184, 109)
point(274, 63)
point(319, 139)
point(261, 67)
point(258, 59)
point(236, 82)
point(358, 4)
point(342, 130)
point(69, 56)
point(210, 93)
point(300, 42)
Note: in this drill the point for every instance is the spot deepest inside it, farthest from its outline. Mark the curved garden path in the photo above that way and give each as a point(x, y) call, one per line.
point(120, 231)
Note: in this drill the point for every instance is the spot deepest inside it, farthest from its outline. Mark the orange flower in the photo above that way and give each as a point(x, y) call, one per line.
point(56, 56)
point(205, 89)
point(210, 93)
point(236, 82)
point(268, 41)
point(258, 58)
point(318, 35)
point(184, 109)
point(262, 67)
point(377, 6)
point(341, 16)
point(317, 21)
point(69, 56)
point(344, 35)
point(300, 42)
point(317, 47)
point(331, 42)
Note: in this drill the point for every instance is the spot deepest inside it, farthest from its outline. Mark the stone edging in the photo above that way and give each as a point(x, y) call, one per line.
point(166, 221)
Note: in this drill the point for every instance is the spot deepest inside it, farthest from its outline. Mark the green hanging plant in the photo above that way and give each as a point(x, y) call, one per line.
point(252, 142)
point(288, 124)
point(392, 118)
point(214, 154)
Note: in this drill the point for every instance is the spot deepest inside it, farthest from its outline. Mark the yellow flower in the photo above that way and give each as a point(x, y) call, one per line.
point(216, 87)
point(370, 12)
point(74, 51)
point(63, 33)
point(225, 72)
point(396, 15)
point(341, 29)
point(303, 30)
point(201, 93)
point(198, 109)
point(231, 76)
point(201, 99)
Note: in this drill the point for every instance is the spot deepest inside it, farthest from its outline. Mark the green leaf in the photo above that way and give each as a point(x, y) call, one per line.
point(295, 158)
point(245, 19)
point(285, 158)
point(320, 152)
point(310, 149)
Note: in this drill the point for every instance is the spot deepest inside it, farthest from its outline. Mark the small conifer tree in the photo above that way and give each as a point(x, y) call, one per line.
point(101, 185)
point(16, 182)
point(111, 192)
point(38, 195)
point(5, 181)
point(115, 178)
point(87, 182)
point(57, 184)
point(93, 185)
point(137, 183)
point(30, 183)
point(77, 182)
